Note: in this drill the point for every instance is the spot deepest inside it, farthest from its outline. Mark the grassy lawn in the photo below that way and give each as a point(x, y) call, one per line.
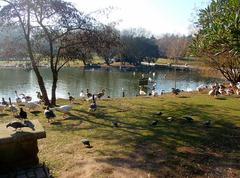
point(191, 62)
point(137, 149)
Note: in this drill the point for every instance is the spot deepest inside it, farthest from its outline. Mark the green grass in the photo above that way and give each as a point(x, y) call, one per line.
point(171, 149)
point(192, 62)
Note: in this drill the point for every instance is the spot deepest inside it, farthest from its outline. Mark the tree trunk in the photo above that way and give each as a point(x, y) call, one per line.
point(54, 87)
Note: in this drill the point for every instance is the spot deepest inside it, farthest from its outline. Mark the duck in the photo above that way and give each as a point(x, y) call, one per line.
point(176, 91)
point(49, 114)
point(100, 94)
point(26, 98)
point(86, 142)
point(17, 125)
point(154, 123)
point(207, 123)
point(65, 109)
point(82, 95)
point(141, 92)
point(93, 106)
point(12, 107)
point(22, 114)
point(70, 98)
point(18, 99)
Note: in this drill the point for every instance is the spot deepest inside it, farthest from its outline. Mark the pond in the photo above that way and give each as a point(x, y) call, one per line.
point(74, 80)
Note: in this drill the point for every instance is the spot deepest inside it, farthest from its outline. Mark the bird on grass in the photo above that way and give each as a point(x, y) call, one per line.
point(82, 95)
point(26, 98)
point(188, 118)
point(39, 96)
point(100, 94)
point(65, 109)
point(89, 95)
point(207, 123)
point(159, 113)
point(93, 106)
point(154, 123)
point(22, 114)
point(115, 123)
point(49, 114)
point(176, 91)
point(170, 119)
point(86, 142)
point(70, 98)
point(17, 125)
point(12, 108)
point(18, 99)
point(4, 102)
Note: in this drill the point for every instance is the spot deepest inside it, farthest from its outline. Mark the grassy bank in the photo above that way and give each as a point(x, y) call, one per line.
point(137, 149)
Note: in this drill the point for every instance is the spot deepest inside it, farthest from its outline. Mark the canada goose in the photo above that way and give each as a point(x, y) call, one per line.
point(70, 98)
point(4, 102)
point(93, 106)
point(39, 96)
point(49, 114)
point(12, 108)
point(18, 99)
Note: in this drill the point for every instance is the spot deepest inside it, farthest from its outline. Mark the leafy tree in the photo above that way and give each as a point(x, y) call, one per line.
point(136, 49)
point(51, 28)
point(217, 39)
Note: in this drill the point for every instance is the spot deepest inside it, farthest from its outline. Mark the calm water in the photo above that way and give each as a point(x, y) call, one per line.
point(74, 80)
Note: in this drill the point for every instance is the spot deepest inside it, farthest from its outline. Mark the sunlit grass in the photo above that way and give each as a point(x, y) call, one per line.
point(178, 148)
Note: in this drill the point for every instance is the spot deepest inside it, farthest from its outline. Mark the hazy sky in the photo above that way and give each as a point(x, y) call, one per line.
point(156, 16)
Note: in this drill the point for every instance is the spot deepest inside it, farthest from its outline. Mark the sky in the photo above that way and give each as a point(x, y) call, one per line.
point(156, 16)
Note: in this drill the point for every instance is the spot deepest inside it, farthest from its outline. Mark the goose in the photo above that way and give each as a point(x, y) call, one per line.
point(31, 105)
point(65, 109)
point(2, 107)
point(70, 98)
point(22, 114)
point(4, 102)
point(49, 114)
point(12, 108)
point(154, 123)
point(141, 92)
point(27, 98)
point(88, 94)
point(100, 94)
point(188, 118)
point(82, 94)
point(86, 142)
point(39, 96)
point(18, 99)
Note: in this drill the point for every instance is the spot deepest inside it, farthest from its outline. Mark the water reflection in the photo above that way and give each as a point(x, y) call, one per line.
point(74, 80)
